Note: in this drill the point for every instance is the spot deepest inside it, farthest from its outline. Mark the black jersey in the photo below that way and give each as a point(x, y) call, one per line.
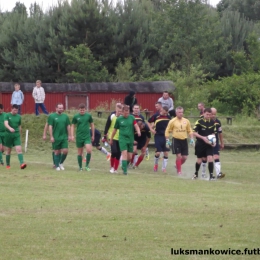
point(138, 117)
point(160, 122)
point(204, 128)
point(145, 133)
point(218, 129)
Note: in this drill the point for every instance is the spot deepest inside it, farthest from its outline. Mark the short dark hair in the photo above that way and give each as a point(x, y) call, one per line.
point(165, 91)
point(159, 103)
point(207, 109)
point(165, 108)
point(58, 104)
point(126, 107)
point(82, 105)
point(1, 106)
point(15, 106)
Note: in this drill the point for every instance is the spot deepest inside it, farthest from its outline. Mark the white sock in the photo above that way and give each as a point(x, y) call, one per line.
point(120, 161)
point(203, 167)
point(217, 167)
point(104, 150)
point(147, 151)
point(164, 164)
point(156, 160)
point(135, 159)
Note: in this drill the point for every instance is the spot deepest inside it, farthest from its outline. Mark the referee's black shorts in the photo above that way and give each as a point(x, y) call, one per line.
point(203, 150)
point(180, 146)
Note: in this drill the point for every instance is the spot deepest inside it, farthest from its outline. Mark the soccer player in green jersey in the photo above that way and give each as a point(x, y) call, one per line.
point(84, 121)
point(59, 130)
point(125, 125)
point(13, 129)
point(2, 133)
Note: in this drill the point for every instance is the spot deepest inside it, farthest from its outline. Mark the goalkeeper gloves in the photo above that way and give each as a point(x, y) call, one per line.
point(168, 142)
point(104, 139)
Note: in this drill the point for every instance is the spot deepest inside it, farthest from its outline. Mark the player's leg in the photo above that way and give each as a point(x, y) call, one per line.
point(79, 157)
point(18, 148)
point(157, 153)
point(210, 162)
point(88, 156)
point(141, 157)
point(8, 157)
point(64, 145)
point(134, 155)
point(124, 160)
point(1, 153)
point(165, 161)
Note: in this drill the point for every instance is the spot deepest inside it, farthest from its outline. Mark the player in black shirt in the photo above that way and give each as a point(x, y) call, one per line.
point(203, 149)
point(160, 124)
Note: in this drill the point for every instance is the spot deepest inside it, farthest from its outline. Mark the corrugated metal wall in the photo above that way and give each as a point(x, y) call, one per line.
point(145, 100)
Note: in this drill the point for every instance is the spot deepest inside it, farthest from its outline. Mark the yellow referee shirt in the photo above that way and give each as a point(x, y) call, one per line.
point(180, 128)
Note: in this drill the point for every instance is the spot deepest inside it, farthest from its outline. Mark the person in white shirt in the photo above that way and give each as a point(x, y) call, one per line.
point(39, 97)
point(17, 97)
point(166, 101)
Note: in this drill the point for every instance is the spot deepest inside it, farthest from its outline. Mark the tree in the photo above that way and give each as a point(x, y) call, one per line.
point(83, 67)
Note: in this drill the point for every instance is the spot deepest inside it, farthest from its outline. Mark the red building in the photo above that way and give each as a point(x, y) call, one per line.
point(92, 94)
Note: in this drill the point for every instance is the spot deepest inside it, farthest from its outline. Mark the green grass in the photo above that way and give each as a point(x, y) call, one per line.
point(45, 214)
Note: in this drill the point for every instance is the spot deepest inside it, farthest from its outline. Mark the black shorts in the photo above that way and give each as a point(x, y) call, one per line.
point(216, 149)
point(203, 150)
point(140, 143)
point(96, 142)
point(160, 143)
point(115, 147)
point(180, 146)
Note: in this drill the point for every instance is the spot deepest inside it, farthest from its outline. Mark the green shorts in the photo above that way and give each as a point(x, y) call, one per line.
point(128, 146)
point(2, 139)
point(12, 140)
point(82, 142)
point(60, 144)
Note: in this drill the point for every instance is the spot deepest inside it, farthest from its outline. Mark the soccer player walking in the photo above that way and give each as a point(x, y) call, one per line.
point(219, 146)
point(59, 130)
point(203, 149)
point(160, 123)
point(2, 133)
point(13, 130)
point(180, 128)
point(125, 125)
point(83, 121)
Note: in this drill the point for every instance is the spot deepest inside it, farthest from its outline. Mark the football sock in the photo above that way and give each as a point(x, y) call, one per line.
point(80, 161)
point(140, 158)
point(124, 166)
point(165, 161)
point(112, 161)
point(103, 150)
point(57, 159)
point(210, 166)
point(156, 159)
point(197, 167)
point(20, 158)
point(178, 164)
point(217, 166)
point(135, 159)
point(63, 157)
point(1, 156)
point(132, 159)
point(116, 164)
point(8, 158)
point(203, 164)
point(53, 156)
point(88, 156)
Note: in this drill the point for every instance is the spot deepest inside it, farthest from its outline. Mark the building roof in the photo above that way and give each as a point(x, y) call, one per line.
point(112, 87)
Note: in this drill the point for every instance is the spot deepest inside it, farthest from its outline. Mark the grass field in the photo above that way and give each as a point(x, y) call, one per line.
point(45, 214)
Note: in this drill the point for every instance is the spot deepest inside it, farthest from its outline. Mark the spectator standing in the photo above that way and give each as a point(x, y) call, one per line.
point(17, 97)
point(130, 100)
point(166, 101)
point(39, 97)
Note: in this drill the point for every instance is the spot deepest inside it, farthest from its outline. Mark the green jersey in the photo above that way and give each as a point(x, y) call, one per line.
point(2, 124)
point(14, 121)
point(125, 125)
point(83, 124)
point(59, 123)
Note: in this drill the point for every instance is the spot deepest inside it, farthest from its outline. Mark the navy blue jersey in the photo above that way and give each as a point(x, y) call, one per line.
point(97, 133)
point(204, 128)
point(138, 118)
point(160, 122)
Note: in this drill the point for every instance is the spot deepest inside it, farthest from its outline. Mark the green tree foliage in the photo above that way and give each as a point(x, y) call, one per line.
point(124, 71)
point(249, 8)
point(83, 66)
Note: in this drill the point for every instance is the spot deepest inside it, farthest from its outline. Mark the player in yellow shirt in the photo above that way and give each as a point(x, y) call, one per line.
point(180, 128)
